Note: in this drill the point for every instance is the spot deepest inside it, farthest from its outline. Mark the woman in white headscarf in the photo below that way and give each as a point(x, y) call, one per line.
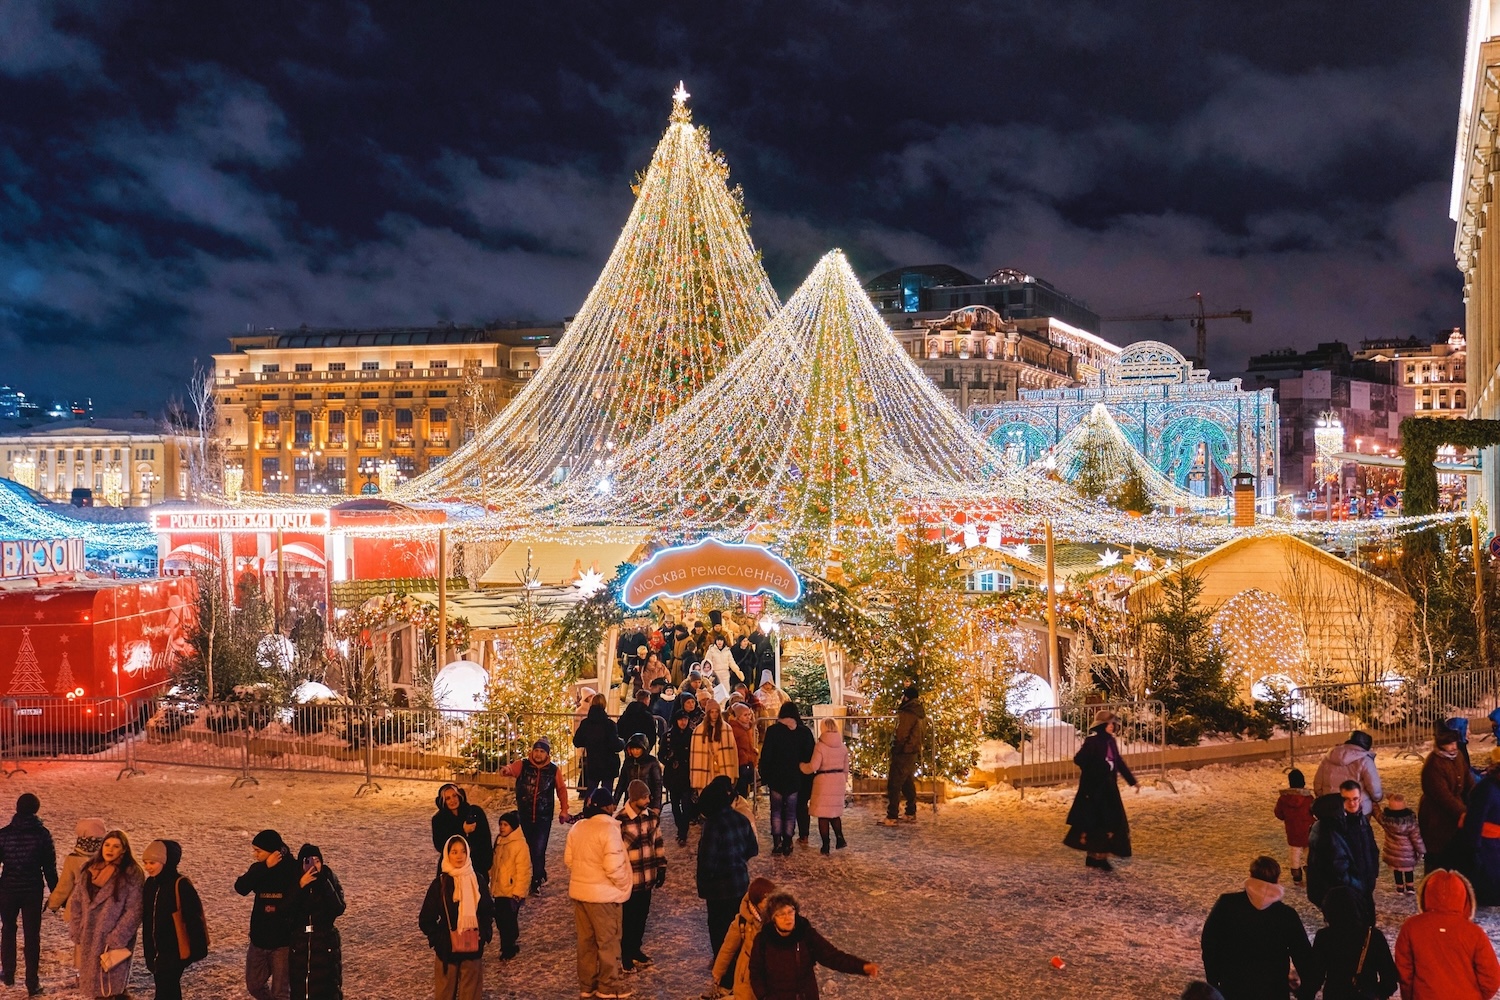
point(458, 919)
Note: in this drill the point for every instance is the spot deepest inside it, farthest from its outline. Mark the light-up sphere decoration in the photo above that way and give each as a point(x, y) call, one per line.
point(1027, 692)
point(275, 652)
point(460, 686)
point(313, 691)
point(1265, 687)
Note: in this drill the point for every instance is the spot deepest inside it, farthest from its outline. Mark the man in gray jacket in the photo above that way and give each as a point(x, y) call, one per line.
point(1352, 760)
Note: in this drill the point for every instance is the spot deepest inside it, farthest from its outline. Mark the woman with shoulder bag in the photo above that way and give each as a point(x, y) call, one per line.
point(174, 929)
point(458, 918)
point(106, 917)
point(1353, 959)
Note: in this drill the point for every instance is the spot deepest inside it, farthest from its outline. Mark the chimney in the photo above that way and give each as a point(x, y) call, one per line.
point(1243, 515)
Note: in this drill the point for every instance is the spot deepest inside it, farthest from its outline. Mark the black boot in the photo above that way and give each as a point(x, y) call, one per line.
point(824, 848)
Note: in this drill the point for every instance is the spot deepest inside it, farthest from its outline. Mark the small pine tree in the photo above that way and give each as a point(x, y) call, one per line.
point(1185, 666)
point(1092, 478)
point(1131, 495)
point(919, 587)
point(526, 698)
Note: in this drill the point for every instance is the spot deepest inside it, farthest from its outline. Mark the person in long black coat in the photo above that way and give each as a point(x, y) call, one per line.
point(1341, 849)
point(1097, 823)
point(457, 817)
point(599, 739)
point(317, 959)
point(638, 718)
point(676, 755)
point(163, 888)
point(1351, 959)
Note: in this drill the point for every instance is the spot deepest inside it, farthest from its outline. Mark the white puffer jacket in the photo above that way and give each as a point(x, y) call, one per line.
point(596, 860)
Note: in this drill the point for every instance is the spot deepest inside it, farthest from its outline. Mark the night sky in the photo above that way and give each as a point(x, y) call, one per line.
point(171, 172)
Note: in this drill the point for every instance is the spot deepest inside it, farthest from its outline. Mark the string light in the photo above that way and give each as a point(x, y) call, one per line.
point(682, 293)
point(1258, 630)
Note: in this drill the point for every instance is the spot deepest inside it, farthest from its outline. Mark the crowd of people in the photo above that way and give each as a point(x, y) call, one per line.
point(1255, 946)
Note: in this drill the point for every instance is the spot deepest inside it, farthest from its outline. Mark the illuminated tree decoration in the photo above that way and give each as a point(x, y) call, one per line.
point(823, 430)
point(682, 292)
point(1259, 634)
point(27, 678)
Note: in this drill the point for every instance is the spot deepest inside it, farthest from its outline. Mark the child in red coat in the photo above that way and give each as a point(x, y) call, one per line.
point(1294, 809)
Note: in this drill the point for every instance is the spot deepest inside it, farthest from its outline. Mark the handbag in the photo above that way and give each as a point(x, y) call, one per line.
point(1359, 968)
point(460, 942)
point(184, 949)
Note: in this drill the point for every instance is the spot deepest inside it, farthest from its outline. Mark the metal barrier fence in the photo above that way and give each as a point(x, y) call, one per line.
point(1053, 735)
point(1399, 712)
point(372, 742)
point(86, 730)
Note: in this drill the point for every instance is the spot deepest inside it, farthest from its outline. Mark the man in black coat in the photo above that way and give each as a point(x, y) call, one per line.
point(1251, 935)
point(29, 861)
point(457, 817)
point(1341, 849)
point(599, 739)
point(638, 718)
point(273, 879)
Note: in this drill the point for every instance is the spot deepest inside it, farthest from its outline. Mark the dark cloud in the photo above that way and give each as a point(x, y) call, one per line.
point(170, 173)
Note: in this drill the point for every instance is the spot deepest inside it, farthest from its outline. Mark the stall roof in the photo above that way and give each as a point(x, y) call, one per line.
point(499, 609)
point(559, 564)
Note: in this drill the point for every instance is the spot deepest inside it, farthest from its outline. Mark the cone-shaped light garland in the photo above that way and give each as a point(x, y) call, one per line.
point(682, 293)
point(823, 425)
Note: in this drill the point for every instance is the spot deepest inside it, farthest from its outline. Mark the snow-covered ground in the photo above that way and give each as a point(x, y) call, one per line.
point(972, 903)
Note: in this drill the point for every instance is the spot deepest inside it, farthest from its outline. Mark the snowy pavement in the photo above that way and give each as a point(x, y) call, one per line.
point(973, 903)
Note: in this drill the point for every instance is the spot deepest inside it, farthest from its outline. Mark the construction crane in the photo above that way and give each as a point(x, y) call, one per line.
point(1199, 320)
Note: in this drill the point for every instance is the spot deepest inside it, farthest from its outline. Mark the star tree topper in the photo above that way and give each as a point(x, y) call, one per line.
point(680, 112)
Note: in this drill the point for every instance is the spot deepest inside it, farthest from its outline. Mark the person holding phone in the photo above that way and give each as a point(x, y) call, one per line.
point(316, 960)
point(273, 879)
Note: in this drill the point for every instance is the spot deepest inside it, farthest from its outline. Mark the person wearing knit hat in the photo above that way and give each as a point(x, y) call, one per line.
point(640, 833)
point(538, 781)
point(317, 955)
point(273, 880)
point(600, 881)
point(29, 859)
point(167, 893)
point(88, 834)
point(786, 746)
point(906, 750)
point(732, 965)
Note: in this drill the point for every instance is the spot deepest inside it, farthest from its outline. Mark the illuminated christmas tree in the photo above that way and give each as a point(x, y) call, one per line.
point(823, 428)
point(1100, 461)
point(27, 678)
point(682, 293)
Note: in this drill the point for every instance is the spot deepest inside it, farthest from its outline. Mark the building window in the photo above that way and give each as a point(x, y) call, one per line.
point(336, 475)
point(270, 475)
point(270, 430)
point(98, 454)
point(370, 427)
point(270, 368)
point(336, 427)
point(403, 427)
point(335, 395)
point(302, 366)
point(302, 395)
point(437, 393)
point(403, 394)
point(370, 394)
point(402, 366)
point(440, 363)
point(369, 366)
point(270, 395)
point(302, 428)
point(335, 366)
